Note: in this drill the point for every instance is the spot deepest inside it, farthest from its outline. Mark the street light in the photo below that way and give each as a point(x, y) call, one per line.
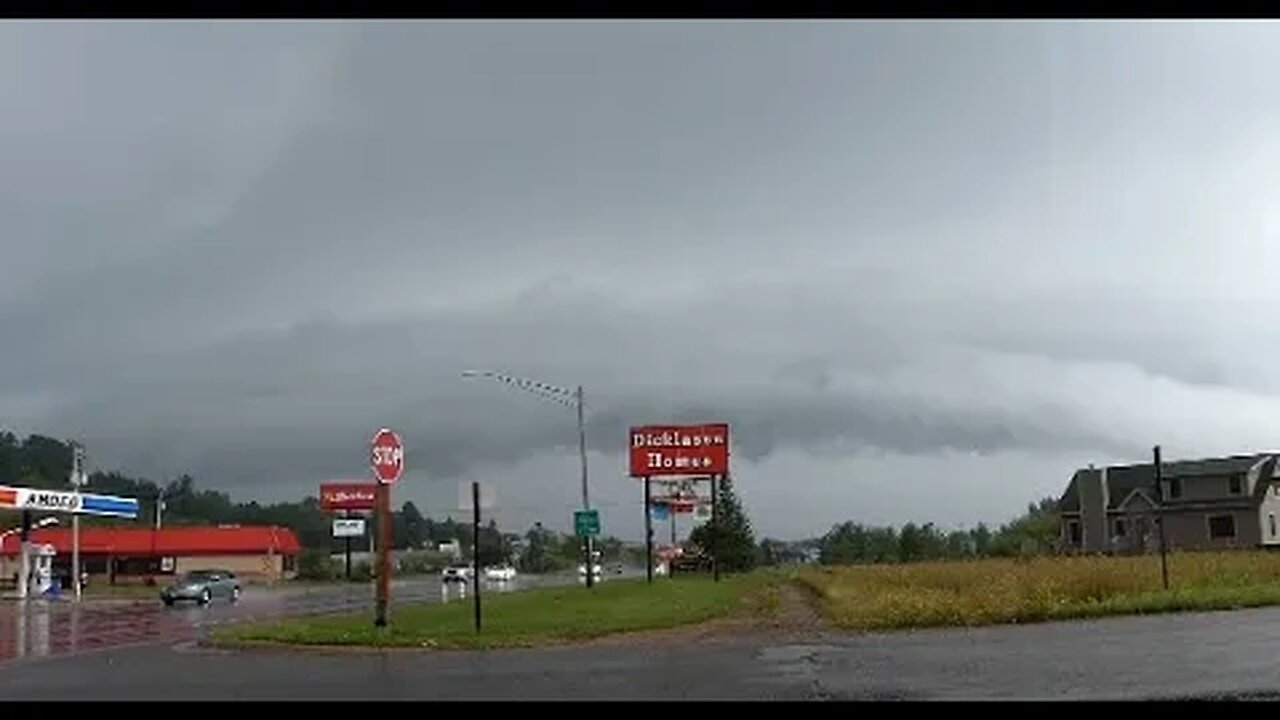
point(571, 399)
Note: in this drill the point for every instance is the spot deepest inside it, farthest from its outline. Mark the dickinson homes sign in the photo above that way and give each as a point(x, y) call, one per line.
point(658, 450)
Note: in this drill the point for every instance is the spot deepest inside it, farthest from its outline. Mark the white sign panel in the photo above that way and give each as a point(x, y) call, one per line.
point(62, 501)
point(348, 527)
point(49, 500)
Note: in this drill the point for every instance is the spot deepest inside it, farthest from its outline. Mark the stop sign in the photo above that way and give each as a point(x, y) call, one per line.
point(387, 456)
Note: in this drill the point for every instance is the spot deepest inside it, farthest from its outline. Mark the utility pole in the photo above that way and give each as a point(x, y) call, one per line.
point(77, 484)
point(586, 501)
point(1159, 478)
point(574, 399)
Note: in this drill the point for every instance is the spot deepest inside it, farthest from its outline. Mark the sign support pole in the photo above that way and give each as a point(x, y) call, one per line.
point(648, 531)
point(715, 530)
point(384, 554)
point(77, 481)
point(475, 548)
point(24, 566)
point(346, 541)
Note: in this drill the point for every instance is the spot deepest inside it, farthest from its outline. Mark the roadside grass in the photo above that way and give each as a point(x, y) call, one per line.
point(995, 591)
point(529, 618)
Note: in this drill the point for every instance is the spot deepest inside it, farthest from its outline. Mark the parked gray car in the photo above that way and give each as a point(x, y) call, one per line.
point(202, 586)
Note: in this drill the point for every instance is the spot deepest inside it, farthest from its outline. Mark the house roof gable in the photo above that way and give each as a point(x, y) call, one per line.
point(1123, 480)
point(1136, 497)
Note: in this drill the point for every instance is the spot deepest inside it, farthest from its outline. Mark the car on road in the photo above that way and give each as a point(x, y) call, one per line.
point(596, 570)
point(202, 586)
point(500, 573)
point(456, 573)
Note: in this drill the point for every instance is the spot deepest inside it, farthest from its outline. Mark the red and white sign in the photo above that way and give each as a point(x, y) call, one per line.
point(387, 457)
point(348, 496)
point(665, 450)
point(678, 506)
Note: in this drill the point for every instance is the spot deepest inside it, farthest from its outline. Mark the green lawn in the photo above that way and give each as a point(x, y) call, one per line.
point(522, 619)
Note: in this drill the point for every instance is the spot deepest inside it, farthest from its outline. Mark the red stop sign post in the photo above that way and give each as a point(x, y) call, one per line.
point(386, 456)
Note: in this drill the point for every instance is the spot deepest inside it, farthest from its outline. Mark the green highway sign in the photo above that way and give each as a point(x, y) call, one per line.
point(586, 523)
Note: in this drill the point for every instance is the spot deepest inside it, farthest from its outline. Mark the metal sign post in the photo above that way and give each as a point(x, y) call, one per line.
point(475, 548)
point(715, 530)
point(648, 531)
point(346, 548)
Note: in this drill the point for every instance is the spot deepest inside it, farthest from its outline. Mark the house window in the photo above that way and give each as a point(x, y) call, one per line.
point(1120, 527)
point(1233, 485)
point(290, 563)
point(1073, 532)
point(1271, 520)
point(1222, 526)
point(1175, 488)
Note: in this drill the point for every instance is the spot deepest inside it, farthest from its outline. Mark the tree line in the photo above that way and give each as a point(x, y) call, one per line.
point(1033, 533)
point(44, 462)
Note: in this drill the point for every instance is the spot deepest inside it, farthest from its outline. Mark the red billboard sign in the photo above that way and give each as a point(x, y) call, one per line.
point(348, 496)
point(663, 450)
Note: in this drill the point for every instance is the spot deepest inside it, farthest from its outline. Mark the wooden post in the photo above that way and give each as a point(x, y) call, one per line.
point(384, 554)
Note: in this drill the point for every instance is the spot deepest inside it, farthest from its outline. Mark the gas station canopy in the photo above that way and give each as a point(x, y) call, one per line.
point(19, 498)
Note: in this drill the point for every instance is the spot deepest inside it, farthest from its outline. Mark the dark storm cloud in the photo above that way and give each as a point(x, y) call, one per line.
point(236, 249)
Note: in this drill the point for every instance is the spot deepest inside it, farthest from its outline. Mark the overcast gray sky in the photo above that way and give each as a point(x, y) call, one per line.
point(926, 270)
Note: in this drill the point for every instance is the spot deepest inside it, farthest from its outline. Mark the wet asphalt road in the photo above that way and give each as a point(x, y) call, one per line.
point(1207, 656)
point(44, 630)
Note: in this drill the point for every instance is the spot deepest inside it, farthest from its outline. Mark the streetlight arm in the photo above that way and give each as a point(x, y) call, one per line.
point(550, 392)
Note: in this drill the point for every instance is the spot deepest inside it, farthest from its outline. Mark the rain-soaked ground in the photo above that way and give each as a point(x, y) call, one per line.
point(44, 628)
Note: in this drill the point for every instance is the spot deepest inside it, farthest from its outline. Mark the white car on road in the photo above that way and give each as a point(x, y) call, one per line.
point(456, 573)
point(500, 573)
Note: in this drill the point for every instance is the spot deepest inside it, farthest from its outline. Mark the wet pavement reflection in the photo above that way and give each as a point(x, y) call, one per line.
point(43, 628)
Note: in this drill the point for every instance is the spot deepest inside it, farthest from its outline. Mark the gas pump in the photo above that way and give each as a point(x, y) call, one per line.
point(42, 568)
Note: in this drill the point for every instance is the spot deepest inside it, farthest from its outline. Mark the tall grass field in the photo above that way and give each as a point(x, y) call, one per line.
point(993, 591)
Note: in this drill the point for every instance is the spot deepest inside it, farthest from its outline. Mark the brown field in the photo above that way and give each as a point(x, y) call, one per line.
point(984, 592)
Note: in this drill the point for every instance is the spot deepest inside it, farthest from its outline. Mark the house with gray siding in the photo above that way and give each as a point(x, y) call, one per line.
point(1215, 503)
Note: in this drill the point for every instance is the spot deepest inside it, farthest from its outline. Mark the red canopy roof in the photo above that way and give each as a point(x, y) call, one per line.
point(170, 541)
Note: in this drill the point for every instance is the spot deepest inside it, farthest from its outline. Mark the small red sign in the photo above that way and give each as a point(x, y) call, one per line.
point(387, 457)
point(665, 450)
point(348, 496)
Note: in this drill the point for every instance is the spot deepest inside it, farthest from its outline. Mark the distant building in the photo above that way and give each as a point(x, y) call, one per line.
point(452, 548)
point(139, 554)
point(1213, 503)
